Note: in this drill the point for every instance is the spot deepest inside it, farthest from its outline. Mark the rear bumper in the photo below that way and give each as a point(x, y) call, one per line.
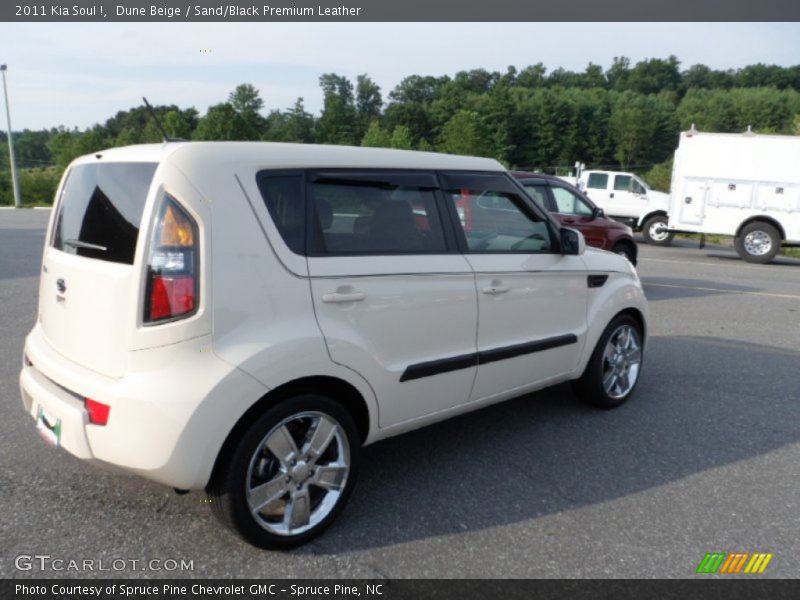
point(39, 393)
point(169, 416)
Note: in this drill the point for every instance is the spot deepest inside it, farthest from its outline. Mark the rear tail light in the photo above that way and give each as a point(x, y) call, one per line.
point(172, 265)
point(98, 412)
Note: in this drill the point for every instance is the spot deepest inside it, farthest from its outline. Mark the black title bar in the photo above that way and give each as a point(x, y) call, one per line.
point(399, 10)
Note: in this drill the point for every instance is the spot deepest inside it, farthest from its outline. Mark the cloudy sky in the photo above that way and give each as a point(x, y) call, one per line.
point(79, 74)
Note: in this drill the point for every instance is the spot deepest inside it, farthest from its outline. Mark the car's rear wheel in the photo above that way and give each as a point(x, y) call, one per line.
point(758, 242)
point(290, 475)
point(615, 365)
point(655, 231)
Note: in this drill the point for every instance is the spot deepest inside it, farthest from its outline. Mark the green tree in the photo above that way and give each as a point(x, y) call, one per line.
point(337, 125)
point(219, 123)
point(376, 137)
point(401, 138)
point(369, 103)
point(463, 134)
point(246, 102)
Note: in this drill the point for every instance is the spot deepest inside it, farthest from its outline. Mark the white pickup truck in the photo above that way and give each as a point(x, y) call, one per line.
point(626, 198)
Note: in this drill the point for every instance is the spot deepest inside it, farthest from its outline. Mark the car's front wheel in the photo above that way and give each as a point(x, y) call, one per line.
point(291, 473)
point(615, 365)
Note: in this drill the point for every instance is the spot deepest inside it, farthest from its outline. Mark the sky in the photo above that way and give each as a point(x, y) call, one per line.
point(79, 74)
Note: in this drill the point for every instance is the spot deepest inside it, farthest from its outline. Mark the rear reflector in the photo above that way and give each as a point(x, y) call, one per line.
point(98, 412)
point(171, 296)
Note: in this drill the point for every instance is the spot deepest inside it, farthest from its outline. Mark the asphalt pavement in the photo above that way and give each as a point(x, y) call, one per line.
point(704, 458)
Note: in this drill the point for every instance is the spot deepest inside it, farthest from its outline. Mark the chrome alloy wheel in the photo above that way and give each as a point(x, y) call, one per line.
point(658, 231)
point(297, 473)
point(757, 243)
point(622, 360)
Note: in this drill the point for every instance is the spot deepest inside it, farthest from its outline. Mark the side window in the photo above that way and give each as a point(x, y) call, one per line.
point(622, 183)
point(569, 203)
point(375, 215)
point(494, 217)
point(597, 181)
point(283, 195)
point(637, 187)
point(536, 191)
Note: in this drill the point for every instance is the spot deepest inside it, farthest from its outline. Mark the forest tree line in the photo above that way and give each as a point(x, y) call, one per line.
point(628, 117)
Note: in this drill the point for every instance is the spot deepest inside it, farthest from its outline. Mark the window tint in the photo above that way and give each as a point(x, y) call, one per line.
point(375, 216)
point(597, 181)
point(622, 183)
point(492, 216)
point(536, 191)
point(569, 203)
point(283, 195)
point(101, 210)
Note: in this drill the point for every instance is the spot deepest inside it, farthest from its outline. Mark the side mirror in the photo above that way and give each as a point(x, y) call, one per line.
point(572, 242)
point(598, 213)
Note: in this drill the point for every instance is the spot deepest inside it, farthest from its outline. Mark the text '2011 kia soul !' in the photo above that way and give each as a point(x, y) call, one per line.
point(244, 317)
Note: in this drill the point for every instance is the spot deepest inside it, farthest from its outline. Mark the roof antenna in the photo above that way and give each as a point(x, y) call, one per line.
point(163, 131)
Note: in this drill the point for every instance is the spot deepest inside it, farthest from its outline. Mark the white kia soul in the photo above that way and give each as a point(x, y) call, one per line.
point(244, 317)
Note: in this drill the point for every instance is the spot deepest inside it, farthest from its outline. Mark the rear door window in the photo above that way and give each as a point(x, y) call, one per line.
point(597, 181)
point(375, 213)
point(100, 211)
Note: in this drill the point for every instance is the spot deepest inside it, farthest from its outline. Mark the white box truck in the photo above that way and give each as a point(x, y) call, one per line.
point(740, 184)
point(627, 198)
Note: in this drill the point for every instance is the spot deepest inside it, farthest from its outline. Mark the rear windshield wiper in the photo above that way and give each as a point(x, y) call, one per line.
point(87, 245)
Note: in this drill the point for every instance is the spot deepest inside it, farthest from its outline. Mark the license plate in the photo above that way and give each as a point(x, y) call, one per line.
point(48, 427)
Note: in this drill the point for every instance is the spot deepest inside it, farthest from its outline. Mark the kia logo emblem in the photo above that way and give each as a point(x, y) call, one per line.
point(61, 286)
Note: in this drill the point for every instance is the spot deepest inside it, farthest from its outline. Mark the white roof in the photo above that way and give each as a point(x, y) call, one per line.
point(274, 155)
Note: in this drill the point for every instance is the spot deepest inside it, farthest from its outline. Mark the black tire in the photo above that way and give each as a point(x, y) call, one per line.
point(626, 249)
point(228, 488)
point(655, 223)
point(758, 242)
point(589, 388)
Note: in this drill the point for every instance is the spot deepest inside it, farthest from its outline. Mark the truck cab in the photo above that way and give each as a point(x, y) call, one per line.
point(627, 198)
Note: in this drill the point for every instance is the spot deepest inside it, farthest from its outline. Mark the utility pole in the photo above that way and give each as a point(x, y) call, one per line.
point(12, 160)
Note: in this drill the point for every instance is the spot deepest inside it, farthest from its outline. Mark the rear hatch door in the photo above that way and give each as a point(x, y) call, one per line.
point(89, 287)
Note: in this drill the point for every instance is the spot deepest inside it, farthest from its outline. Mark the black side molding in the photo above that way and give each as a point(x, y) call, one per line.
point(435, 367)
point(496, 354)
point(444, 365)
point(596, 281)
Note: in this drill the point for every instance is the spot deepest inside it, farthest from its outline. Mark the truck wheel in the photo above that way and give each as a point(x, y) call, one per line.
point(758, 242)
point(655, 231)
point(613, 370)
point(290, 474)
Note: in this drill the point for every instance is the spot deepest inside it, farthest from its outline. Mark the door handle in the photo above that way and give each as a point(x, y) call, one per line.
point(496, 289)
point(334, 297)
point(611, 195)
point(569, 221)
point(343, 297)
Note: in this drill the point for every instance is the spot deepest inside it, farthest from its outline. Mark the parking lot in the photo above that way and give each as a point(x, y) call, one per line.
point(704, 458)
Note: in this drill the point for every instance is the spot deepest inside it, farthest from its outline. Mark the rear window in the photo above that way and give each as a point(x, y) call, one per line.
point(101, 210)
point(597, 181)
